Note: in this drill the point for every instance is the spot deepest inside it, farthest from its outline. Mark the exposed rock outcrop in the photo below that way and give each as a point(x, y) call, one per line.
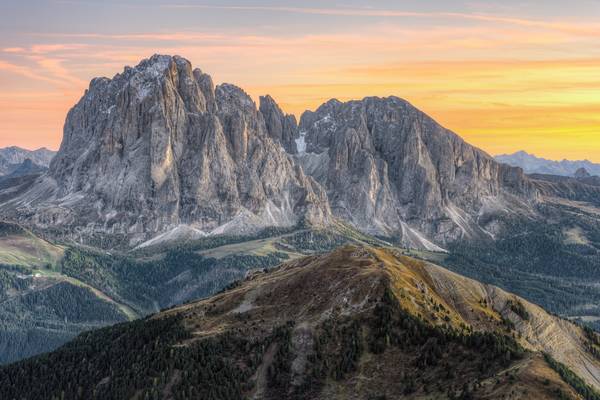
point(282, 127)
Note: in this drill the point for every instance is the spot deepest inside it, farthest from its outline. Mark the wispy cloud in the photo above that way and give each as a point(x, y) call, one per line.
point(56, 47)
point(15, 50)
point(54, 67)
point(149, 36)
point(26, 72)
point(591, 28)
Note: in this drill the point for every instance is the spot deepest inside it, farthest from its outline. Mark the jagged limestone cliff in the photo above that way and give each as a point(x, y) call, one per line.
point(157, 147)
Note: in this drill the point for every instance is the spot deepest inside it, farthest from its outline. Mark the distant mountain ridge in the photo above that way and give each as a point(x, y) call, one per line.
point(18, 161)
point(536, 165)
point(16, 155)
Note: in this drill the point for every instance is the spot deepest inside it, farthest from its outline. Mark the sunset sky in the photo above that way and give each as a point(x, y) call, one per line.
point(506, 75)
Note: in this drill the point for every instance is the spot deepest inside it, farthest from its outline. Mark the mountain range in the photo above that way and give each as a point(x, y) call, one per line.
point(16, 161)
point(159, 152)
point(159, 148)
point(167, 189)
point(536, 165)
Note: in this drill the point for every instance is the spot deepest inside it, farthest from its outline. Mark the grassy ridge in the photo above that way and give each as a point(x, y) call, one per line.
point(142, 358)
point(586, 391)
point(20, 247)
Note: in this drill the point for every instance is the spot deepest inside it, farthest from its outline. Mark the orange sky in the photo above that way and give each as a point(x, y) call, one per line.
point(504, 83)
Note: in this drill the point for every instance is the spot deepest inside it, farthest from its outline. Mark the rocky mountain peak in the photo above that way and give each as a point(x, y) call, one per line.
point(283, 128)
point(392, 170)
point(16, 161)
point(231, 98)
point(158, 146)
point(581, 173)
point(16, 155)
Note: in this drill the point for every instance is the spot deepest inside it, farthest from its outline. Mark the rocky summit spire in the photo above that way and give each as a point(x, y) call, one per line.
point(392, 170)
point(158, 146)
point(281, 127)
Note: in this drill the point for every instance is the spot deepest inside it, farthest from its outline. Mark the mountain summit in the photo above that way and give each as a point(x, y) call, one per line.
point(17, 161)
point(390, 169)
point(158, 146)
point(581, 173)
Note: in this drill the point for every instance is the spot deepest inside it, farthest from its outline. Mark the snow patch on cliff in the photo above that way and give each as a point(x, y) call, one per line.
point(301, 143)
point(180, 232)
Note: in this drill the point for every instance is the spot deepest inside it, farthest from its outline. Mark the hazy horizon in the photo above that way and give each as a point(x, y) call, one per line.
point(506, 76)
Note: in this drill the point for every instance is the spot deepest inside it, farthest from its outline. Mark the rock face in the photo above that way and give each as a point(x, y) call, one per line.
point(159, 146)
point(159, 150)
point(390, 169)
point(281, 127)
point(4, 166)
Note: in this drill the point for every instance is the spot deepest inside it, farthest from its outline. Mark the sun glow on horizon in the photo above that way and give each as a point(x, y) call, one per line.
point(502, 80)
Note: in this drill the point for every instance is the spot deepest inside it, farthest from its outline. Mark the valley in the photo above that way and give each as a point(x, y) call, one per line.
point(146, 280)
point(358, 322)
point(118, 286)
